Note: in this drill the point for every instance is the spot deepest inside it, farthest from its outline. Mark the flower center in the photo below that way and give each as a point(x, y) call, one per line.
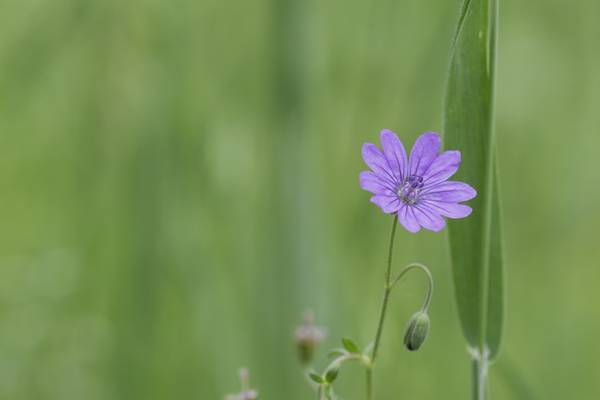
point(410, 189)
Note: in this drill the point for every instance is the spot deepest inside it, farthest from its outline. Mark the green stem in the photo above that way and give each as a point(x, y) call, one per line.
point(386, 293)
point(386, 297)
point(389, 285)
point(369, 383)
point(479, 378)
point(429, 281)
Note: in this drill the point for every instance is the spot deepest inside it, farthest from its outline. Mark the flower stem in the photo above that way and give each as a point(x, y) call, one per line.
point(479, 378)
point(426, 271)
point(369, 383)
point(386, 297)
point(387, 290)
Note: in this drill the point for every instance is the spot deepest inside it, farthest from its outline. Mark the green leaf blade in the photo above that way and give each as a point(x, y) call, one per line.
point(350, 345)
point(332, 374)
point(316, 378)
point(495, 307)
point(475, 242)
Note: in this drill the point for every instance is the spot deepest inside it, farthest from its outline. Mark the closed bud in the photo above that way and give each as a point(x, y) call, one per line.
point(416, 331)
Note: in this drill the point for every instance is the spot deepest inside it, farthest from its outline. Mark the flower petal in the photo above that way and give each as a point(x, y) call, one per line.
point(377, 162)
point(408, 220)
point(389, 204)
point(449, 192)
point(423, 153)
point(429, 219)
point(394, 153)
point(373, 183)
point(443, 167)
point(450, 210)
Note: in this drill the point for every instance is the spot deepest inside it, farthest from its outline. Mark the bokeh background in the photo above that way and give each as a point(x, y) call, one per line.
point(179, 182)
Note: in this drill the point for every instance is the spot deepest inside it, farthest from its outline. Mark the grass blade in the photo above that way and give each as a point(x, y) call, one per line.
point(468, 126)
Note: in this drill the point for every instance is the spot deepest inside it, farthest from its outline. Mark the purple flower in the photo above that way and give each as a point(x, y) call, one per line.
point(415, 188)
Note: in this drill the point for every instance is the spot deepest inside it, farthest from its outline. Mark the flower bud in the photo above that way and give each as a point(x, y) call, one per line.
point(416, 331)
point(308, 336)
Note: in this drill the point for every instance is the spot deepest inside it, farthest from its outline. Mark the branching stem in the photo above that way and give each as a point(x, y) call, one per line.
point(389, 285)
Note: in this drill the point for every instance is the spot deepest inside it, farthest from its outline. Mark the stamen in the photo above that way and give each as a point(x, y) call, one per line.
point(410, 189)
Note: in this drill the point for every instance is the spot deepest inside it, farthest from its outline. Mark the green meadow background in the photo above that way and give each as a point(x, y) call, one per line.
point(179, 181)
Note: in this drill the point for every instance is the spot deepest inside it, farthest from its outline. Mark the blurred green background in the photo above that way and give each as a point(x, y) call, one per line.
point(179, 182)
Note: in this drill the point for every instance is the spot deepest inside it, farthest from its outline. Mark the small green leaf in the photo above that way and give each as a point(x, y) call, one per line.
point(332, 373)
point(316, 378)
point(350, 345)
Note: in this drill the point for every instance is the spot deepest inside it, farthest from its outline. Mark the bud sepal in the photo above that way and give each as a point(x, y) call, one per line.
point(416, 330)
